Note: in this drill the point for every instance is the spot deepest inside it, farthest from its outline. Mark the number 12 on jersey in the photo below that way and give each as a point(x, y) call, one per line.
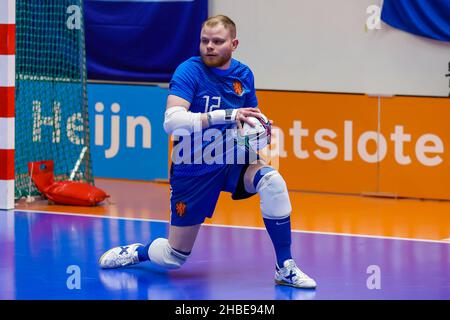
point(213, 105)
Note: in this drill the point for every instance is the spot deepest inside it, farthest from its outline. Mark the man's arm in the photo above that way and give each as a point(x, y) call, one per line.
point(180, 121)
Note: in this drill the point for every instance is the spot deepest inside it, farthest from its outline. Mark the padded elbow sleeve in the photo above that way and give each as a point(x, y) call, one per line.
point(180, 122)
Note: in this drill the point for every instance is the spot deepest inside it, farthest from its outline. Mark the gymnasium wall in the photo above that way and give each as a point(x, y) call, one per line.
point(128, 140)
point(359, 107)
point(349, 143)
point(330, 74)
point(334, 46)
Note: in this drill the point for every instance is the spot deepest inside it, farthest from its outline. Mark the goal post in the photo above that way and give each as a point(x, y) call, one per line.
point(7, 83)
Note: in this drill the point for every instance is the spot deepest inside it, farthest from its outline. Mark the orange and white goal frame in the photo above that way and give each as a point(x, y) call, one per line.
point(7, 85)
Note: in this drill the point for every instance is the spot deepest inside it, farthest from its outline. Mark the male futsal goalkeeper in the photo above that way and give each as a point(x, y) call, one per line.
point(214, 91)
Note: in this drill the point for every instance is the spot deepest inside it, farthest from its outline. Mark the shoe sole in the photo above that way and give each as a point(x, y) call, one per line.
point(292, 285)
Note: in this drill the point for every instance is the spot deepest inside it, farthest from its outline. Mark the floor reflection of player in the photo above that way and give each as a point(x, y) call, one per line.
point(136, 284)
point(215, 91)
point(283, 293)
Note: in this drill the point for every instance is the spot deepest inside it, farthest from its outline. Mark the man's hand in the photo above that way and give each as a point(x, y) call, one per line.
point(243, 113)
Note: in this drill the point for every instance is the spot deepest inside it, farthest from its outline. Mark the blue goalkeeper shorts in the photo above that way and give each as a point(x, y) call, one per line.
point(193, 199)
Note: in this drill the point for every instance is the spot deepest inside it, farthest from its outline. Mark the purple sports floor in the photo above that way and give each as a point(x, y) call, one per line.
point(54, 256)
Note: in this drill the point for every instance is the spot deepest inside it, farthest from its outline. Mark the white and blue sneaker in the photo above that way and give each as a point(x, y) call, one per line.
point(119, 257)
point(291, 275)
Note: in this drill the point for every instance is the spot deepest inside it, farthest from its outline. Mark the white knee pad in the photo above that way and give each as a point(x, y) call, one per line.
point(274, 196)
point(162, 254)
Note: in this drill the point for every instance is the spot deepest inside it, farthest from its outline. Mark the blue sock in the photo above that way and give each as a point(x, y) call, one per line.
point(143, 253)
point(280, 233)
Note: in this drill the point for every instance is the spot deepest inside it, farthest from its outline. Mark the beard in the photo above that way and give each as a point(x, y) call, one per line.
point(216, 61)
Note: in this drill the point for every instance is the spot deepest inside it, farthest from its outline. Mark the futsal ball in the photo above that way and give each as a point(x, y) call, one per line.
point(257, 137)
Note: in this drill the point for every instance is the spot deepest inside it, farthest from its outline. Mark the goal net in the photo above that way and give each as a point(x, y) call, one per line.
point(51, 111)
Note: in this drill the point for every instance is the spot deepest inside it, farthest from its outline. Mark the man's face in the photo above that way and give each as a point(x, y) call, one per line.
point(216, 46)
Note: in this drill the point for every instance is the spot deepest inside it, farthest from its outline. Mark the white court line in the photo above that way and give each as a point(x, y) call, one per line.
point(90, 215)
point(446, 241)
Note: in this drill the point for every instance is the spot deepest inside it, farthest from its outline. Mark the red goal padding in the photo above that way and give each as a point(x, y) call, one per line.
point(63, 192)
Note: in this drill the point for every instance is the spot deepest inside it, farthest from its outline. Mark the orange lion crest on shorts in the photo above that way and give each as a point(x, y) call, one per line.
point(180, 207)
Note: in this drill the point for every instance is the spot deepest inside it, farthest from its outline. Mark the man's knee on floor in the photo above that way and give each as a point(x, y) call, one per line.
point(162, 254)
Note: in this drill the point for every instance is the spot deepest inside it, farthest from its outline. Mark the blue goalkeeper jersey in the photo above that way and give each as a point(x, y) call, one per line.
point(209, 89)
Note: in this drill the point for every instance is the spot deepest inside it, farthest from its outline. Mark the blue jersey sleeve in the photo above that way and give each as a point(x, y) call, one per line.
point(251, 101)
point(182, 84)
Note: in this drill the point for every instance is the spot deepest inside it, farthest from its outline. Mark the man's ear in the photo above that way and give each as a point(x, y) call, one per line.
point(234, 43)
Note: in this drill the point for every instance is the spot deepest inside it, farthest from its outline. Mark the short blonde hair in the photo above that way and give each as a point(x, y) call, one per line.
point(224, 20)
